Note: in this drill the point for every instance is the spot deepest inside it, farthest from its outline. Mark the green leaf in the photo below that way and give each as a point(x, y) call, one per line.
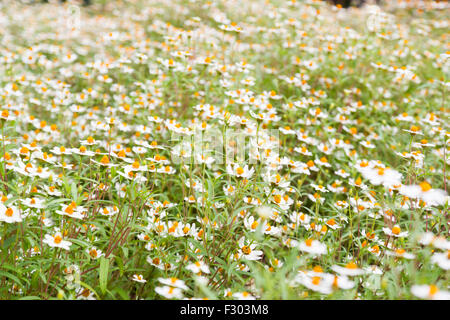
point(11, 276)
point(120, 265)
point(122, 293)
point(103, 273)
point(73, 189)
point(30, 298)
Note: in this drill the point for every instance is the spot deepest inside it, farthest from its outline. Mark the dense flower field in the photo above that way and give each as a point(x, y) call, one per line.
point(224, 149)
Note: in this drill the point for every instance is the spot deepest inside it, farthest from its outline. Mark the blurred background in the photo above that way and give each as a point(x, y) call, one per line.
point(340, 3)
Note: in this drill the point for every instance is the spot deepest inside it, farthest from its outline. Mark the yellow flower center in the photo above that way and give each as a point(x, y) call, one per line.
point(104, 160)
point(9, 212)
point(318, 269)
point(277, 198)
point(57, 239)
point(396, 230)
point(316, 281)
point(425, 186)
point(433, 289)
point(86, 293)
point(246, 250)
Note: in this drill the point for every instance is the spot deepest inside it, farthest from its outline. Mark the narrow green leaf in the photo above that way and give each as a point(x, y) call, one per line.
point(103, 274)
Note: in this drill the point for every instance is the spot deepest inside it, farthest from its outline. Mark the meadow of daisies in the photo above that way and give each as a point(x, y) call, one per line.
point(224, 149)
